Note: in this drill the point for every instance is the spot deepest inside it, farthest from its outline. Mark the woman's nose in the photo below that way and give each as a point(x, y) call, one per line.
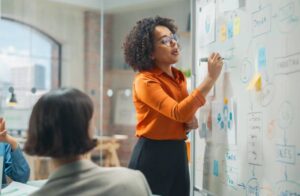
point(173, 42)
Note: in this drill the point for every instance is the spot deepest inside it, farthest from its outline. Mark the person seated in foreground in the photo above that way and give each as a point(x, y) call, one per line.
point(15, 165)
point(61, 127)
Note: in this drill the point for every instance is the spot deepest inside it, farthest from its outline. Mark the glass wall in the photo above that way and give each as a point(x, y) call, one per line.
point(30, 66)
point(41, 48)
point(51, 43)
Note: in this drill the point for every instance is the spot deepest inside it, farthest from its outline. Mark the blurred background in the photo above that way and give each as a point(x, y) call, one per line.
point(46, 44)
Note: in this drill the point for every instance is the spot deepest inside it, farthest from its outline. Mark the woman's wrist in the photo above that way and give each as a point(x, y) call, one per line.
point(211, 78)
point(12, 141)
point(206, 85)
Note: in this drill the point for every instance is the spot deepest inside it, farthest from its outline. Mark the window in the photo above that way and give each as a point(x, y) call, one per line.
point(30, 64)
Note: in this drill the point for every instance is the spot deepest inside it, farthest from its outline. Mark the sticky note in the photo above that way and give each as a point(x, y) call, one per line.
point(216, 168)
point(225, 100)
point(223, 33)
point(236, 26)
point(207, 24)
point(255, 83)
point(261, 58)
point(230, 29)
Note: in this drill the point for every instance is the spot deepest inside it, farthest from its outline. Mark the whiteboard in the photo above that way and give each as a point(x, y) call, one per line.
point(249, 127)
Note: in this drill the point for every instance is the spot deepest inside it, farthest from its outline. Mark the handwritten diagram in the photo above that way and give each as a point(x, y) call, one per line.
point(287, 16)
point(262, 156)
point(225, 121)
point(288, 65)
point(255, 145)
point(206, 25)
point(261, 21)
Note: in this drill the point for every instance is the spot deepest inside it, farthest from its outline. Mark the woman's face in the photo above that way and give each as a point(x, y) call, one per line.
point(166, 51)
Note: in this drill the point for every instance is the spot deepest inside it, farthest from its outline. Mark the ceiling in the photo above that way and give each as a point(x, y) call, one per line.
point(116, 5)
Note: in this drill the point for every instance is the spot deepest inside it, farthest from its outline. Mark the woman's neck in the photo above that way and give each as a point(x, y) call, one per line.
point(58, 162)
point(167, 69)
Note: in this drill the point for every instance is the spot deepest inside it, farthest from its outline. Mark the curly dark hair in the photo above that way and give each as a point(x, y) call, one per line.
point(139, 43)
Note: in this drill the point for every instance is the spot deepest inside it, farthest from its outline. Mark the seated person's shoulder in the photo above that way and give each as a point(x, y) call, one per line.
point(128, 180)
point(123, 173)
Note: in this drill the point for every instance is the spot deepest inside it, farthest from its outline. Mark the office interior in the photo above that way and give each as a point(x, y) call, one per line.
point(46, 44)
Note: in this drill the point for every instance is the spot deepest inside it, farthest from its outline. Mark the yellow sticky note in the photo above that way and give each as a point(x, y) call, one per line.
point(236, 26)
point(223, 33)
point(255, 83)
point(225, 100)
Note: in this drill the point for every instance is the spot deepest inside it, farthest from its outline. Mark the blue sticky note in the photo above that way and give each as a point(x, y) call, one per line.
point(216, 168)
point(207, 25)
point(262, 58)
point(230, 29)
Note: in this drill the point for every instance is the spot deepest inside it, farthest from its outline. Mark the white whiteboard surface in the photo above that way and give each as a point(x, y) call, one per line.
point(262, 156)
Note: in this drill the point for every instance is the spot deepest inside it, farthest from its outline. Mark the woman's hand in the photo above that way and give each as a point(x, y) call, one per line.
point(215, 64)
point(193, 124)
point(3, 132)
point(4, 137)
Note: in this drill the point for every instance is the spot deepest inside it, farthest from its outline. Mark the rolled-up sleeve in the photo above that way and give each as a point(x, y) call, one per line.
point(151, 93)
point(16, 166)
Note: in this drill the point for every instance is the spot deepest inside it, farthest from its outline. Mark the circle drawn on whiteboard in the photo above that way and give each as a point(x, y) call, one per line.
point(285, 115)
point(246, 70)
point(267, 94)
point(253, 187)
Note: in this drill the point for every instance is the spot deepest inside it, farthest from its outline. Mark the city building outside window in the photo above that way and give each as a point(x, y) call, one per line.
point(29, 67)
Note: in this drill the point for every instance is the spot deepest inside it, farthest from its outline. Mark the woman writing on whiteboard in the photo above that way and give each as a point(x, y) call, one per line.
point(165, 111)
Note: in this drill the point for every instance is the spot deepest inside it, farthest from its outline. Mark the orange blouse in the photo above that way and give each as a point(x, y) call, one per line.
point(163, 105)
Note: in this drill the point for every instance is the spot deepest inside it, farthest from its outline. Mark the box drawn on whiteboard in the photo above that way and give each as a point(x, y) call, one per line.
point(261, 21)
point(255, 140)
point(206, 17)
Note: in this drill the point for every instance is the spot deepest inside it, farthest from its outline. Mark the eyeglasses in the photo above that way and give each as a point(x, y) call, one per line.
point(167, 40)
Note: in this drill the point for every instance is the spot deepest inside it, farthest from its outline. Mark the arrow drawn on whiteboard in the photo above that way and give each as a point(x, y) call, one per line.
point(253, 170)
point(284, 137)
point(285, 173)
point(242, 185)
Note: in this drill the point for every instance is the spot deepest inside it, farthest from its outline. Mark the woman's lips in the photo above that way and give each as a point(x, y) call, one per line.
point(175, 52)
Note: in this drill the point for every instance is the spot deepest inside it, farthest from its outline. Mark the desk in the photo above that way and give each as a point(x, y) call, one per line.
point(107, 148)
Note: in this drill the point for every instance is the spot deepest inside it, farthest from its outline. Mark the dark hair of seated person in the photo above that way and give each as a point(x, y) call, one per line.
point(59, 125)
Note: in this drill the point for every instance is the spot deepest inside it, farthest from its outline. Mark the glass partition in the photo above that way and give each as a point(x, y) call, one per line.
point(30, 62)
point(52, 43)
